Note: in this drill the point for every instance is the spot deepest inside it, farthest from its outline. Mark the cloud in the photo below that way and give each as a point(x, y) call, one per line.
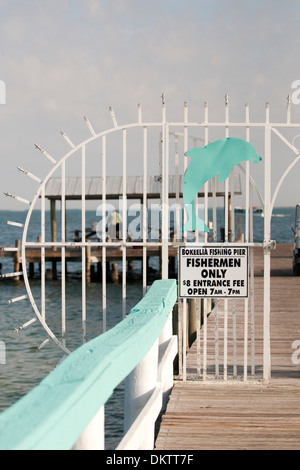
point(62, 59)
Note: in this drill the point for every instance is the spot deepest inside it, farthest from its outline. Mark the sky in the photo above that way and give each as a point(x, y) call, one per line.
point(64, 59)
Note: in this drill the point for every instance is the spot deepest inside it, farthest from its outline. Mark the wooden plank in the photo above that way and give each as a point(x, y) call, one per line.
point(231, 417)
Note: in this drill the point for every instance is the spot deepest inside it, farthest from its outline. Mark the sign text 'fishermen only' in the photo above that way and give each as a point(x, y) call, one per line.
point(213, 271)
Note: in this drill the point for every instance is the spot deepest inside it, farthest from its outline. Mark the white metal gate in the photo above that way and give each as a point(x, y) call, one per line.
point(158, 170)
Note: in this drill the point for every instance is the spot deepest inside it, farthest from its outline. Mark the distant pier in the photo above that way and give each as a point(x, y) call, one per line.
point(94, 258)
point(282, 258)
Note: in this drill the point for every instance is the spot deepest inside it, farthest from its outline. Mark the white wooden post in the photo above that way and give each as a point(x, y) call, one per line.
point(139, 385)
point(165, 370)
point(92, 437)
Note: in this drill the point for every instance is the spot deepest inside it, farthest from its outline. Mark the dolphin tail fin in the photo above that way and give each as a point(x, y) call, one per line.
point(197, 224)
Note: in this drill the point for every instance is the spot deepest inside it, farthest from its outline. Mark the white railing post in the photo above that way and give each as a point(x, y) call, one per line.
point(165, 369)
point(139, 385)
point(93, 436)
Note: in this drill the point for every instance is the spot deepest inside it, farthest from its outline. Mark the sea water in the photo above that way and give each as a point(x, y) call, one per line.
point(22, 366)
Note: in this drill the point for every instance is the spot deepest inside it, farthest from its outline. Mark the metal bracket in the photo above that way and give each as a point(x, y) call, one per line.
point(271, 245)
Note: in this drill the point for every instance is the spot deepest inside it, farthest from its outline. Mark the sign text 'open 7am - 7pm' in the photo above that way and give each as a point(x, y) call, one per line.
point(214, 271)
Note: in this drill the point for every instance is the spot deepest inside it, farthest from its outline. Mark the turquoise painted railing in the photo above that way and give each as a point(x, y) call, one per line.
point(66, 408)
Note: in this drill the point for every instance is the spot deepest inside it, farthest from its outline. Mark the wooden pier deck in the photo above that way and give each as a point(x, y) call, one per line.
point(238, 416)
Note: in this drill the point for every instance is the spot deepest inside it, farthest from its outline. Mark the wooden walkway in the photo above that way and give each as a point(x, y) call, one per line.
point(246, 416)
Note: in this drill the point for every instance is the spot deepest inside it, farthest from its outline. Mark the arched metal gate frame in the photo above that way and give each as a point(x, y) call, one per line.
point(175, 140)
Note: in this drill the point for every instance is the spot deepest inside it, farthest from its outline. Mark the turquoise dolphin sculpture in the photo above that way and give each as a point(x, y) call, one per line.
point(215, 159)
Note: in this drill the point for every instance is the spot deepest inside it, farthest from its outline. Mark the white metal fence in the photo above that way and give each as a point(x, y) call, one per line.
point(157, 149)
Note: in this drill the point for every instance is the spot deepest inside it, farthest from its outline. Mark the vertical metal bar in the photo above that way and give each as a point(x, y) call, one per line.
point(252, 312)
point(225, 337)
point(178, 218)
point(63, 252)
point(83, 250)
point(204, 327)
point(43, 261)
point(124, 271)
point(184, 303)
point(226, 239)
point(199, 303)
point(234, 339)
point(197, 202)
point(213, 183)
point(217, 356)
point(165, 194)
point(206, 184)
point(184, 337)
point(185, 148)
point(139, 113)
point(231, 220)
point(246, 301)
point(145, 206)
point(267, 254)
point(231, 208)
point(180, 341)
point(204, 339)
point(252, 294)
point(215, 224)
point(247, 178)
point(124, 300)
point(245, 339)
point(228, 187)
point(226, 181)
point(104, 300)
point(167, 215)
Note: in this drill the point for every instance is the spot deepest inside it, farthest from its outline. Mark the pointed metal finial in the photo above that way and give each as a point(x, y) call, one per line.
point(113, 117)
point(27, 173)
point(18, 198)
point(52, 160)
point(90, 127)
point(67, 139)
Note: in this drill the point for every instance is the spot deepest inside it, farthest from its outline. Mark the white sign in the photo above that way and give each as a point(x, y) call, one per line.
point(214, 271)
